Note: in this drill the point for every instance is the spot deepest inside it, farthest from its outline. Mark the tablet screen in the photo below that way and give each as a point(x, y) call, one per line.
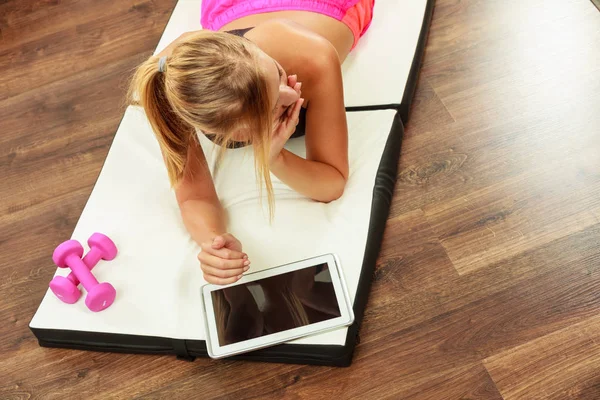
point(274, 304)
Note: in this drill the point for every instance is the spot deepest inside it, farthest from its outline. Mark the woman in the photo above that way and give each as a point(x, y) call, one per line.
point(260, 72)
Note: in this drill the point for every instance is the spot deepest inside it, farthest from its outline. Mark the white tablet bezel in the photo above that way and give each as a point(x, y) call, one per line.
point(341, 291)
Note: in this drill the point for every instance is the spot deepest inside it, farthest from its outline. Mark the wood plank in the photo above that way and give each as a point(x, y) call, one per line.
point(467, 382)
point(104, 40)
point(563, 364)
point(260, 381)
point(36, 231)
point(513, 71)
point(24, 21)
point(515, 215)
point(405, 309)
point(436, 168)
point(458, 25)
point(411, 258)
point(481, 328)
point(106, 375)
point(427, 111)
point(49, 132)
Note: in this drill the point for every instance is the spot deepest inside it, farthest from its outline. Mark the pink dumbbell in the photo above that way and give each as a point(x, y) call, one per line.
point(68, 254)
point(101, 247)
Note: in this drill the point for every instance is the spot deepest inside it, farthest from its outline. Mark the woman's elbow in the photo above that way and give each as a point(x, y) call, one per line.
point(336, 190)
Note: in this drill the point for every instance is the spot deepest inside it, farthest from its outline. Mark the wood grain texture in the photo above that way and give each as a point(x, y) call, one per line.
point(503, 220)
point(563, 364)
point(101, 40)
point(487, 283)
point(574, 256)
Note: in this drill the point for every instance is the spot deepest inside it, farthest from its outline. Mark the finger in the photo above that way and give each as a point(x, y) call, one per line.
point(230, 240)
point(277, 126)
point(224, 240)
point(297, 107)
point(294, 118)
point(223, 252)
point(221, 273)
point(220, 281)
point(222, 263)
point(298, 87)
point(289, 111)
point(292, 80)
point(218, 242)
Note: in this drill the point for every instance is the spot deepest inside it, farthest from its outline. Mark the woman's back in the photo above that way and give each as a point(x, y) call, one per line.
point(334, 31)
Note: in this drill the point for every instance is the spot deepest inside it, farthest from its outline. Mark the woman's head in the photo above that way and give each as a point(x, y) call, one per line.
point(217, 83)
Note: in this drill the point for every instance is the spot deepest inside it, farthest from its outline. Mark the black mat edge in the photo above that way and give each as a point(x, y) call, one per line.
point(413, 76)
point(328, 355)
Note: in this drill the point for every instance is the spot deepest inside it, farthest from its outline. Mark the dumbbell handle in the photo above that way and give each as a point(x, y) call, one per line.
point(90, 260)
point(81, 271)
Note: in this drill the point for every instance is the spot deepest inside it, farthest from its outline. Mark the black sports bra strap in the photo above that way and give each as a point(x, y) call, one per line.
point(239, 32)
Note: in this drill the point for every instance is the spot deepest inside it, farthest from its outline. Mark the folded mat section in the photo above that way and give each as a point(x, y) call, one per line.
point(381, 72)
point(156, 274)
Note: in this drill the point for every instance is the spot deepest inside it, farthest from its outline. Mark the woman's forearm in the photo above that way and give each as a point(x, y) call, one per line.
point(203, 219)
point(313, 179)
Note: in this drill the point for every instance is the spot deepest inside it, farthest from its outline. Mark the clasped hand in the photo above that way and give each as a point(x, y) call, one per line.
point(285, 125)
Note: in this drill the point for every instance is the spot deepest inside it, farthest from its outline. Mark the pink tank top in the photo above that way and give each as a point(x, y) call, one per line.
point(216, 13)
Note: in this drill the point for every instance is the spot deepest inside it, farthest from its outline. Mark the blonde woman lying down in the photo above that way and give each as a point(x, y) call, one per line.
point(258, 73)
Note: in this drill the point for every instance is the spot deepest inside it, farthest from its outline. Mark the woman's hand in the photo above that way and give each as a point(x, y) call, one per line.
point(222, 260)
point(286, 125)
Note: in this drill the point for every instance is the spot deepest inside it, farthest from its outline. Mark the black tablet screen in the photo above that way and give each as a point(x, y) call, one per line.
point(274, 304)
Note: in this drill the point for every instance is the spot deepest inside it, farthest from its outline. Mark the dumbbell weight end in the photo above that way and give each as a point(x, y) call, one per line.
point(65, 289)
point(100, 297)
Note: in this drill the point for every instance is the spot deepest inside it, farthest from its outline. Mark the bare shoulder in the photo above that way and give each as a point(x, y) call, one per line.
point(298, 49)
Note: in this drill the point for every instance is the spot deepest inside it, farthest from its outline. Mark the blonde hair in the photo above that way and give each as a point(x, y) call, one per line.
point(211, 82)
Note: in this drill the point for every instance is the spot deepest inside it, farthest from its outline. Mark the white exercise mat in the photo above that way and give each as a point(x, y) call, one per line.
point(375, 72)
point(157, 275)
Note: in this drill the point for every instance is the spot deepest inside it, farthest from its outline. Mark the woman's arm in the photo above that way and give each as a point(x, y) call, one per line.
point(203, 219)
point(201, 210)
point(221, 259)
point(323, 174)
point(317, 180)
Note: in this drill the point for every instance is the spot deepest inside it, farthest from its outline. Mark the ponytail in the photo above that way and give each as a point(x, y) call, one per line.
point(211, 83)
point(174, 135)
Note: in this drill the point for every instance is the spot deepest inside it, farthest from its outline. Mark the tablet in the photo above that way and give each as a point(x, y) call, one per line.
point(276, 305)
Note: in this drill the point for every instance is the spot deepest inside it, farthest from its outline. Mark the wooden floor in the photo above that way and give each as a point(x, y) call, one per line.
point(488, 282)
